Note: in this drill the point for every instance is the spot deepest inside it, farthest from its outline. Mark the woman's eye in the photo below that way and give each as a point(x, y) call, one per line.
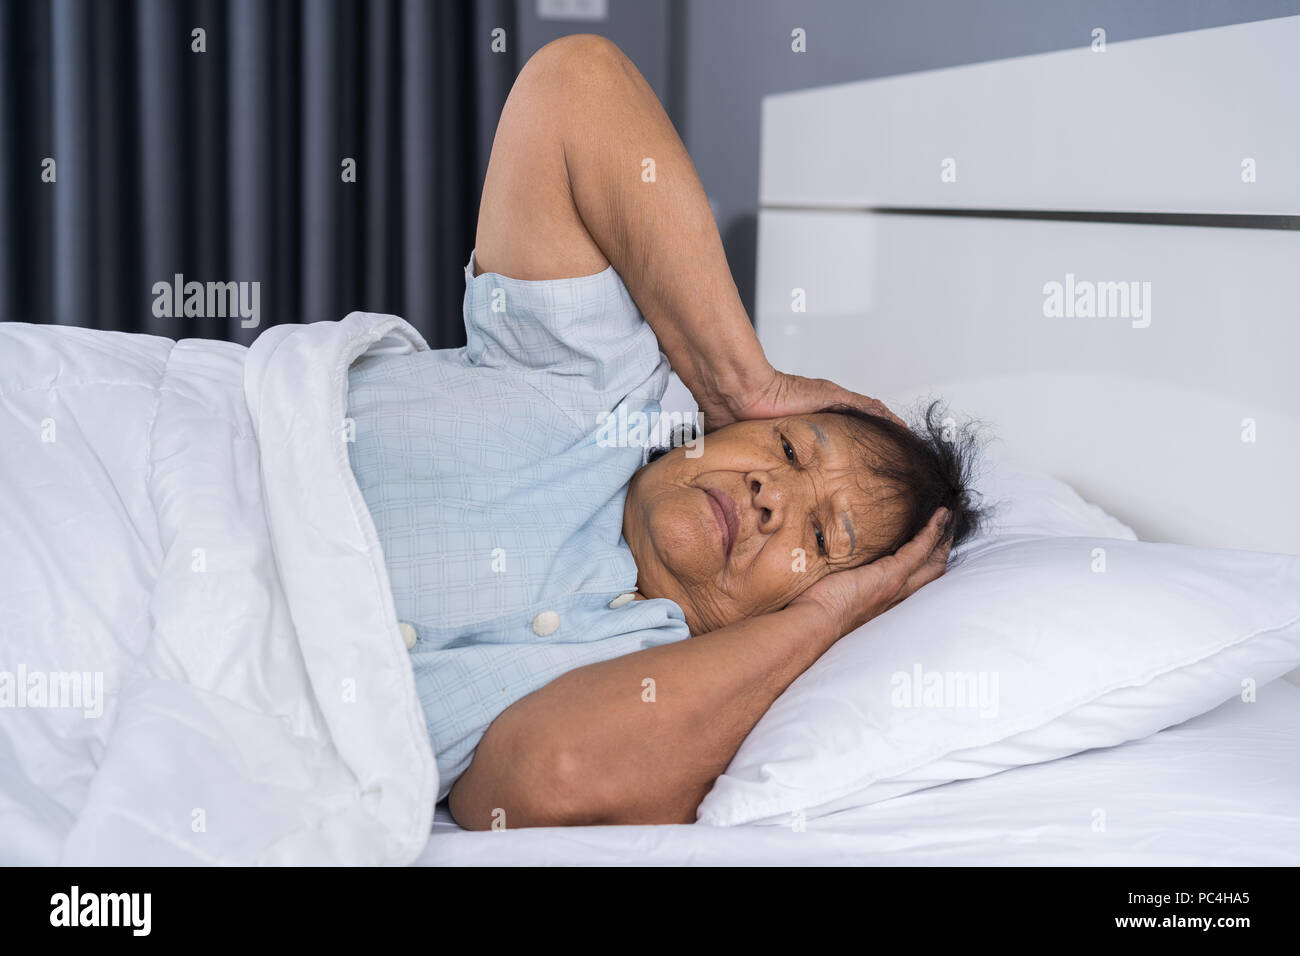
point(821, 541)
point(788, 449)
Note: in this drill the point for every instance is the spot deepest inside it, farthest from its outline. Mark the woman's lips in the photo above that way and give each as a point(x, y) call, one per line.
point(725, 512)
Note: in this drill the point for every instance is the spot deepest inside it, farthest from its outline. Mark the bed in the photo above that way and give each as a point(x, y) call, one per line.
point(910, 233)
point(1223, 788)
point(202, 662)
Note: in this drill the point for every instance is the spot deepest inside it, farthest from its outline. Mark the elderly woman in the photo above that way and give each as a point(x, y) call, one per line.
point(547, 578)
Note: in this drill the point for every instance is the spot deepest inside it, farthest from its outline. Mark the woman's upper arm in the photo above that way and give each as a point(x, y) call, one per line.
point(528, 224)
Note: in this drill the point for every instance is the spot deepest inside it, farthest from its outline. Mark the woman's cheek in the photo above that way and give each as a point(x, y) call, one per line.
point(780, 575)
point(683, 543)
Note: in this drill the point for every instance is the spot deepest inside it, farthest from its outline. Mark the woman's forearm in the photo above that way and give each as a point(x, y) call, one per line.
point(640, 738)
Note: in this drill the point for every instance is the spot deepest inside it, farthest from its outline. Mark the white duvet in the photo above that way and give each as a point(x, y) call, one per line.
point(178, 522)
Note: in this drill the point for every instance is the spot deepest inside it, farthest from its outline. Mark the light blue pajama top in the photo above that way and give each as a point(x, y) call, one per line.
point(499, 514)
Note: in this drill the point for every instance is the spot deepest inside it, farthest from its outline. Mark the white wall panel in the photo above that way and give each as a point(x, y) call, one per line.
point(1151, 125)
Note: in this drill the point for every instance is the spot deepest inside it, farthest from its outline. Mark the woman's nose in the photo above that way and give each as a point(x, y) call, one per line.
point(769, 497)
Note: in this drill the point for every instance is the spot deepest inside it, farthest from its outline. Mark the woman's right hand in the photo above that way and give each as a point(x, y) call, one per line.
point(850, 598)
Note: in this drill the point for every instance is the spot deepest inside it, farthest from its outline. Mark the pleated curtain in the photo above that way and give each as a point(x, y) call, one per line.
point(226, 165)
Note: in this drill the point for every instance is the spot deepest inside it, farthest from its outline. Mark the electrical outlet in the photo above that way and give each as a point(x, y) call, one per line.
point(572, 9)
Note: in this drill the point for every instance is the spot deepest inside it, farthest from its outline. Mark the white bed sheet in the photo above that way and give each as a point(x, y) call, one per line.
point(1220, 789)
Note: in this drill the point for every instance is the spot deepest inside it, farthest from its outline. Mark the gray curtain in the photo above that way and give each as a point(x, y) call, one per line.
point(225, 165)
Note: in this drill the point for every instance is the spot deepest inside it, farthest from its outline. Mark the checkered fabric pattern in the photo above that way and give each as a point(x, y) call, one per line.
point(494, 501)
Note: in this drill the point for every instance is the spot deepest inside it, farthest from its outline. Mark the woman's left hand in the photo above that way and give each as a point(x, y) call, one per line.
point(785, 394)
point(848, 599)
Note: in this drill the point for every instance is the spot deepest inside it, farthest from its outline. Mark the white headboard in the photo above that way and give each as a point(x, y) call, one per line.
point(919, 221)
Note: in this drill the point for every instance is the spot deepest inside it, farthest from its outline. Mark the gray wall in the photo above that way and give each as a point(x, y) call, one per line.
point(712, 61)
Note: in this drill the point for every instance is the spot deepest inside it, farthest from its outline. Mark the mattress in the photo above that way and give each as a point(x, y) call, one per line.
point(1220, 789)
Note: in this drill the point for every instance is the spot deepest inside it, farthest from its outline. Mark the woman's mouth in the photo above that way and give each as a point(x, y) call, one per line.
point(725, 513)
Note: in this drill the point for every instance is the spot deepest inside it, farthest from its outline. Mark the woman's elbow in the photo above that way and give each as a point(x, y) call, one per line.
point(536, 790)
point(558, 791)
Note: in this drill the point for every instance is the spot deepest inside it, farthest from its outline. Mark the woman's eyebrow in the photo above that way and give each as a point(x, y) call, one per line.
point(848, 526)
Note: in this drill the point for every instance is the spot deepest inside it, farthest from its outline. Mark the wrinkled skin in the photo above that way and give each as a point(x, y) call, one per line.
point(794, 482)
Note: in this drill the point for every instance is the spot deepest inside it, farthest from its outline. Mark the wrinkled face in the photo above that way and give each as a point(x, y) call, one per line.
point(767, 509)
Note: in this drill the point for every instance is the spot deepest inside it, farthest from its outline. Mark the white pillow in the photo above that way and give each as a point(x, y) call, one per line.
point(1082, 636)
point(1020, 501)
